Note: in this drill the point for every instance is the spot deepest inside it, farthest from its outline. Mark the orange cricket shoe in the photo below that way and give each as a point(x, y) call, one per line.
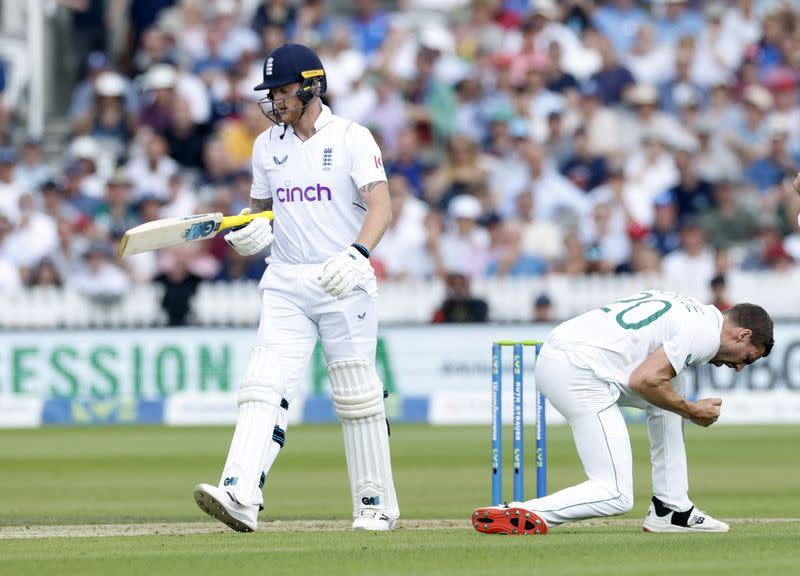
point(508, 520)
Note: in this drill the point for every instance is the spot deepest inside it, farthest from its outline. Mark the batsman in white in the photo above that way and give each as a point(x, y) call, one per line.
point(633, 353)
point(323, 178)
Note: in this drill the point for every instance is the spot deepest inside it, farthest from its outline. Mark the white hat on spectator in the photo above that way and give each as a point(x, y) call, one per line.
point(464, 206)
point(109, 84)
point(546, 8)
point(224, 8)
point(437, 37)
point(778, 126)
point(684, 142)
point(159, 77)
point(685, 96)
point(84, 148)
point(758, 96)
point(643, 94)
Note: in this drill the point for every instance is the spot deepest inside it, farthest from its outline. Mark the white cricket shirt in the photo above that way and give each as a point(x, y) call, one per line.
point(314, 186)
point(615, 339)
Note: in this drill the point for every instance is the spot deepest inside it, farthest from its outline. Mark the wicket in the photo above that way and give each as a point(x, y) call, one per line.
point(518, 424)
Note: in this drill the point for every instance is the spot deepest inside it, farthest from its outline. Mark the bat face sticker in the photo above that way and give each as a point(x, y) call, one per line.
point(199, 230)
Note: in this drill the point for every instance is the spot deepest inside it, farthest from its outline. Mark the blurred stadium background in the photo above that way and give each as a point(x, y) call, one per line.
point(543, 158)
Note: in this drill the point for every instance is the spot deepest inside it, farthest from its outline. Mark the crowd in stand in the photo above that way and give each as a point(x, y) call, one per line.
point(520, 138)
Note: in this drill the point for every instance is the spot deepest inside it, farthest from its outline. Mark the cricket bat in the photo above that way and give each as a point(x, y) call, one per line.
point(174, 231)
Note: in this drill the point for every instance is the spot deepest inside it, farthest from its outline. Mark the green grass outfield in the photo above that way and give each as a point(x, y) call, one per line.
point(118, 500)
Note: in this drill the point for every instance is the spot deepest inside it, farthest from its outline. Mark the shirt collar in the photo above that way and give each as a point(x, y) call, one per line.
point(325, 116)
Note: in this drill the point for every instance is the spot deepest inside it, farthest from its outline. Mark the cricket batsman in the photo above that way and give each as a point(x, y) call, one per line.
point(323, 178)
point(632, 353)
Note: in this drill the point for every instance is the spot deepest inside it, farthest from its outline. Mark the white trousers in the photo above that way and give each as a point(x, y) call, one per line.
point(296, 311)
point(591, 407)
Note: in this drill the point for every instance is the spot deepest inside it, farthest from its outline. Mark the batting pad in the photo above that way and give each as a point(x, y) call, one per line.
point(259, 402)
point(358, 398)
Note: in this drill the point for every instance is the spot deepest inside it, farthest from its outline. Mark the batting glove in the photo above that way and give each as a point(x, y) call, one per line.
point(251, 238)
point(343, 272)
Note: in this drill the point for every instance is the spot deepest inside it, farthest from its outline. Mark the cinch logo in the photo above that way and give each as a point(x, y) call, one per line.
point(199, 230)
point(371, 501)
point(314, 193)
point(230, 481)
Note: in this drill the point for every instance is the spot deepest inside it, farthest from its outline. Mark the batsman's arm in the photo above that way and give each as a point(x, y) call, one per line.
point(379, 213)
point(797, 184)
point(260, 204)
point(652, 380)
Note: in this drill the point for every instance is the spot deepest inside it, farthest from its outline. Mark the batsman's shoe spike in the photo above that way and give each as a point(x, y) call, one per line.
point(508, 520)
point(219, 504)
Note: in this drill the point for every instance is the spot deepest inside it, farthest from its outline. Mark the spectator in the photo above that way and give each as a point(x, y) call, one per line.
point(463, 248)
point(34, 235)
point(185, 138)
point(730, 223)
point(99, 279)
point(402, 251)
point(541, 239)
point(648, 61)
point(460, 305)
point(557, 79)
point(83, 95)
point(280, 13)
point(767, 172)
point(621, 21)
point(10, 189)
point(648, 172)
point(613, 79)
point(10, 276)
point(150, 171)
point(694, 259)
point(693, 195)
point(369, 26)
point(749, 138)
point(159, 83)
point(664, 236)
point(107, 119)
point(237, 135)
point(543, 308)
point(32, 170)
point(117, 213)
point(583, 168)
point(714, 161)
point(45, 274)
point(461, 173)
point(678, 22)
point(719, 293)
point(506, 254)
point(680, 78)
point(180, 286)
point(716, 53)
point(606, 240)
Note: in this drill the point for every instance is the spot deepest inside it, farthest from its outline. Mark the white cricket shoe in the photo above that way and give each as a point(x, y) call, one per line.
point(373, 519)
point(221, 505)
point(661, 519)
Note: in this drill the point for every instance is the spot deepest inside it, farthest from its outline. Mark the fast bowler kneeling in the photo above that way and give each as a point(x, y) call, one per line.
point(632, 353)
point(323, 178)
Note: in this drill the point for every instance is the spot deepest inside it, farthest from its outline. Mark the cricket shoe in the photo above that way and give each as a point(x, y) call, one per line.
point(374, 520)
point(221, 505)
point(661, 519)
point(507, 519)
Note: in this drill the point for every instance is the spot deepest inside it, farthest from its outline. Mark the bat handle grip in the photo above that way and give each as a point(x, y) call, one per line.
point(242, 220)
